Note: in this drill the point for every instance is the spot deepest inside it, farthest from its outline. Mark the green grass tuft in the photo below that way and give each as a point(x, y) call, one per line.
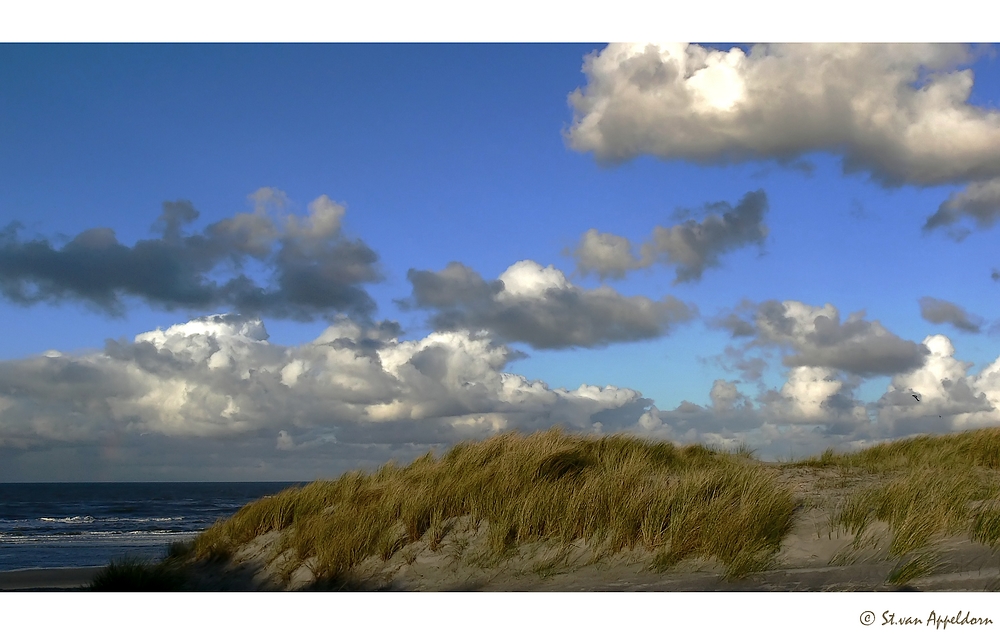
point(135, 574)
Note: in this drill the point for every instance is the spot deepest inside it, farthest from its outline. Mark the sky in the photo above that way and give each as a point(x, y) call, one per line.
point(284, 261)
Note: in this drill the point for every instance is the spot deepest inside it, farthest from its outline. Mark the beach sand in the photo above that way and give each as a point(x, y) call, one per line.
point(63, 579)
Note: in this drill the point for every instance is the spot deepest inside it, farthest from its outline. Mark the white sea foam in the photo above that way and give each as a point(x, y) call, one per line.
point(72, 520)
point(102, 537)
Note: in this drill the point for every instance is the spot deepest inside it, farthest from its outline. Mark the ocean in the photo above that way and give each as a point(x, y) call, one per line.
point(88, 524)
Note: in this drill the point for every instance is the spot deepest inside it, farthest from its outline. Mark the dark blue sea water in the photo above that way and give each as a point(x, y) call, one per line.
point(88, 524)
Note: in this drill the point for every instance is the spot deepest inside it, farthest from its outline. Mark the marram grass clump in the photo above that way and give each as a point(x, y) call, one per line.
point(926, 488)
point(614, 492)
point(135, 574)
point(978, 449)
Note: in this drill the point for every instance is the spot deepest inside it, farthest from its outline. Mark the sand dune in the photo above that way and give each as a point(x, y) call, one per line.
point(814, 557)
point(943, 520)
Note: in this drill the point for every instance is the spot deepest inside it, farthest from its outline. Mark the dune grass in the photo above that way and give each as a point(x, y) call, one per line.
point(614, 492)
point(967, 450)
point(621, 493)
point(926, 488)
point(136, 574)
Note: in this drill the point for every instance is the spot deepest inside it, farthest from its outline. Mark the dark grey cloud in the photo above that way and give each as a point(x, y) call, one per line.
point(979, 202)
point(736, 360)
point(690, 246)
point(538, 306)
point(816, 337)
point(943, 312)
point(314, 270)
point(455, 285)
point(694, 246)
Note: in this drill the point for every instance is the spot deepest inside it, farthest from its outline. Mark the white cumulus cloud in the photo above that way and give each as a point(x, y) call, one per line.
point(949, 399)
point(897, 111)
point(219, 377)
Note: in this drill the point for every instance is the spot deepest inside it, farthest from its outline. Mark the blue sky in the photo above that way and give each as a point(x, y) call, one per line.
point(431, 154)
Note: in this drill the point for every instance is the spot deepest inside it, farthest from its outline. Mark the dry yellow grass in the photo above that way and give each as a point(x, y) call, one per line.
point(618, 493)
point(927, 487)
point(614, 492)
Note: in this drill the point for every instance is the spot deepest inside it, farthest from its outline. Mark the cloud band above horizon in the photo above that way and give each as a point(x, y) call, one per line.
point(200, 383)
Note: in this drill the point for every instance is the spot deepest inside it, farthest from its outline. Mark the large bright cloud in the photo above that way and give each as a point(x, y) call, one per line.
point(218, 377)
point(897, 111)
point(314, 269)
point(540, 306)
point(949, 399)
point(691, 246)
